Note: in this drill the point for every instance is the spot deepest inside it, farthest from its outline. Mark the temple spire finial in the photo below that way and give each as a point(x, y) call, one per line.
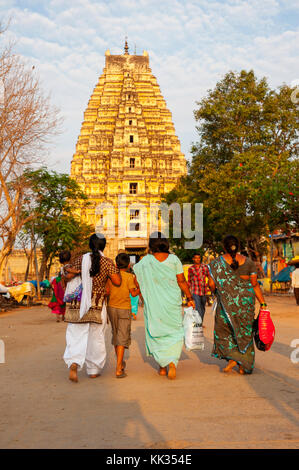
point(126, 46)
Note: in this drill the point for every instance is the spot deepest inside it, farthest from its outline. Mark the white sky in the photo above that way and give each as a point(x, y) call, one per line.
point(191, 44)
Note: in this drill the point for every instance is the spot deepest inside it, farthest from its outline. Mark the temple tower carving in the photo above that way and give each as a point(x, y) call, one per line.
point(127, 149)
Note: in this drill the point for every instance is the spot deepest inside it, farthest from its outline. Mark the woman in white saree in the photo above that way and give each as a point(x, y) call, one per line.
point(85, 335)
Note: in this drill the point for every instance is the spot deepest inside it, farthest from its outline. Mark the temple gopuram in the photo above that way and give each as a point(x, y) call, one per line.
point(127, 153)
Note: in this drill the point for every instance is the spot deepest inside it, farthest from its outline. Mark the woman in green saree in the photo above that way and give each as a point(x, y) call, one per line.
point(160, 278)
point(233, 278)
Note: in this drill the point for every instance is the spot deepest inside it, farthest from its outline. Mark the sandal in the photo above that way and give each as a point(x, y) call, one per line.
point(171, 371)
point(121, 376)
point(162, 371)
point(230, 366)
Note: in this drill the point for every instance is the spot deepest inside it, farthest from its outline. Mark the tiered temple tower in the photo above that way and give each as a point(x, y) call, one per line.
point(127, 146)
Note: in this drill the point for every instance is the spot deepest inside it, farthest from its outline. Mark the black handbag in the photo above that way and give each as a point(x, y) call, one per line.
point(259, 344)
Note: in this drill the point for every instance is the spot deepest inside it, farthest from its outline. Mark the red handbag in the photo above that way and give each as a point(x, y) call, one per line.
point(266, 328)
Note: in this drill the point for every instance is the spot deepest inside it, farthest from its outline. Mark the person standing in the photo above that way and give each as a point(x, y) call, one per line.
point(198, 275)
point(233, 278)
point(119, 311)
point(134, 306)
point(160, 278)
point(295, 282)
point(85, 334)
point(134, 299)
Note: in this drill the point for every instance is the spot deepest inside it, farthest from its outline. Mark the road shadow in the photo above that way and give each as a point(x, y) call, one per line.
point(139, 338)
point(136, 424)
point(281, 348)
point(136, 431)
point(205, 356)
point(279, 389)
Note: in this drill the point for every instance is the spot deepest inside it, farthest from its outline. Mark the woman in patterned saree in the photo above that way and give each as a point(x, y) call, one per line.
point(233, 278)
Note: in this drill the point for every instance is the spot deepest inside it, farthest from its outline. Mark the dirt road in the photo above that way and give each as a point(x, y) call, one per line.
point(202, 408)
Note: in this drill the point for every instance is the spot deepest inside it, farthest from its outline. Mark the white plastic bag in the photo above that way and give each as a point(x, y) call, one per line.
point(214, 307)
point(193, 331)
point(72, 289)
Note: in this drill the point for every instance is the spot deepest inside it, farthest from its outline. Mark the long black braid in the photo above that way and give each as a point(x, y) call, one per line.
point(231, 245)
point(97, 243)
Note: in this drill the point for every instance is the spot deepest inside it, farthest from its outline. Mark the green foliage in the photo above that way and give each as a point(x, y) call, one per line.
point(55, 198)
point(54, 193)
point(244, 169)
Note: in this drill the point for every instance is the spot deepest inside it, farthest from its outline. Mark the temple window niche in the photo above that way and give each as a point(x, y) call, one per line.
point(132, 162)
point(134, 227)
point(133, 188)
point(131, 139)
point(134, 213)
point(134, 220)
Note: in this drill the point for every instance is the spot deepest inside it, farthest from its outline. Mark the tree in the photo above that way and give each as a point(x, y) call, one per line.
point(244, 168)
point(55, 198)
point(27, 122)
point(26, 242)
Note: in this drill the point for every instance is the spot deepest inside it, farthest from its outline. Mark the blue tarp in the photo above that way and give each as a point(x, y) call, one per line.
point(44, 283)
point(283, 275)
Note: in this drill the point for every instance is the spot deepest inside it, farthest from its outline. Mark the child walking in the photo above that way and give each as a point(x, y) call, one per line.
point(134, 306)
point(119, 311)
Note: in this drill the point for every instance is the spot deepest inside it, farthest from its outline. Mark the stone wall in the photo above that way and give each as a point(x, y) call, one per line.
point(15, 268)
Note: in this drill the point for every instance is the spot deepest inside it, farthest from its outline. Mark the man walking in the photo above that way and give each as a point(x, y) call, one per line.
point(197, 281)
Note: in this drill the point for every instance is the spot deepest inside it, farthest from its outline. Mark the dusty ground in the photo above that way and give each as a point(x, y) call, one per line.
point(203, 408)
